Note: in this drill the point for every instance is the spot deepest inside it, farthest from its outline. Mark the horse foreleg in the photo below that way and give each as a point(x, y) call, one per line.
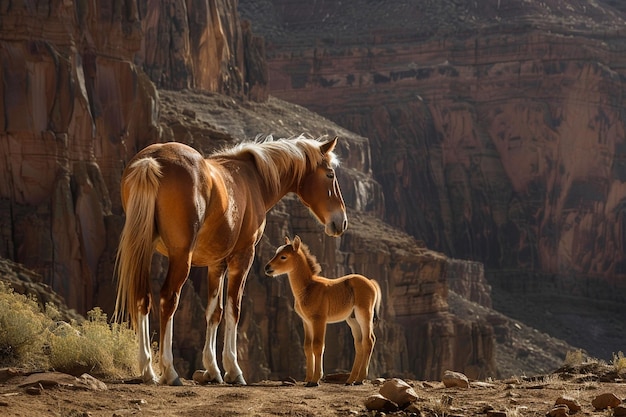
point(308, 351)
point(213, 313)
point(317, 346)
point(145, 351)
point(238, 268)
point(357, 335)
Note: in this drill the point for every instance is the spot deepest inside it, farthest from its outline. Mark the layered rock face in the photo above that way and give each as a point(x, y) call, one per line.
point(79, 98)
point(496, 128)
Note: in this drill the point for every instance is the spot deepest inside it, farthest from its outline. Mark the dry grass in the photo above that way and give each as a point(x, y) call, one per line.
point(34, 339)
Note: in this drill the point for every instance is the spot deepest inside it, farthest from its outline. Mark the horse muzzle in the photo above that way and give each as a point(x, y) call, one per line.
point(269, 271)
point(337, 225)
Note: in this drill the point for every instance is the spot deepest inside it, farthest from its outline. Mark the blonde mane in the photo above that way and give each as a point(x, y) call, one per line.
point(315, 267)
point(297, 155)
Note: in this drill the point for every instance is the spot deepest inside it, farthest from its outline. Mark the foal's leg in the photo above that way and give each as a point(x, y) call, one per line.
point(357, 335)
point(238, 267)
point(365, 317)
point(213, 317)
point(179, 264)
point(319, 336)
point(308, 353)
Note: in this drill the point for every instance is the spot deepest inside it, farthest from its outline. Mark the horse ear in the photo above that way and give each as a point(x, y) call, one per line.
point(296, 243)
point(287, 241)
point(329, 146)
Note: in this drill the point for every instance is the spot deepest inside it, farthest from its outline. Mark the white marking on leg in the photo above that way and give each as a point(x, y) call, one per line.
point(145, 351)
point(209, 353)
point(229, 355)
point(168, 373)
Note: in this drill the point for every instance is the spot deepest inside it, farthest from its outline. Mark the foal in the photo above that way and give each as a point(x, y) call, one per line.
point(318, 301)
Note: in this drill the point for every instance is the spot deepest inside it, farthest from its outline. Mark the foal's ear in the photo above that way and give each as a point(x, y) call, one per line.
point(296, 243)
point(329, 146)
point(287, 241)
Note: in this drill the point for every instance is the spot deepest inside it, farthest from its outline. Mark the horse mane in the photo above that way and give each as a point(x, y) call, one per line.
point(274, 157)
point(310, 259)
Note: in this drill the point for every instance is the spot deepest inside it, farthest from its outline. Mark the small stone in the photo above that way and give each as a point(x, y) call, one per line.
point(559, 410)
point(619, 411)
point(570, 402)
point(455, 379)
point(606, 400)
point(33, 390)
point(398, 391)
point(377, 402)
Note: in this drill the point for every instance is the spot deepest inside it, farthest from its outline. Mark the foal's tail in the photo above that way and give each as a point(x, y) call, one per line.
point(379, 297)
point(134, 253)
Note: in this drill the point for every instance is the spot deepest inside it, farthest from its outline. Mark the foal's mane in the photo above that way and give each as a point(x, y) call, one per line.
point(297, 155)
point(310, 259)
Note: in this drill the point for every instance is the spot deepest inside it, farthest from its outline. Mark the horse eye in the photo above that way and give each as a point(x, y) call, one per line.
point(330, 175)
point(283, 257)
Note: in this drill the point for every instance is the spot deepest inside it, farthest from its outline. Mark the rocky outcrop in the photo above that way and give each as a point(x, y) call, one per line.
point(496, 129)
point(80, 97)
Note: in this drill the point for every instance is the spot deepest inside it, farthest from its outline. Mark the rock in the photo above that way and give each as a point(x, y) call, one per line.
point(399, 392)
point(379, 403)
point(58, 379)
point(619, 411)
point(570, 402)
point(605, 400)
point(455, 379)
point(88, 382)
point(559, 410)
point(8, 373)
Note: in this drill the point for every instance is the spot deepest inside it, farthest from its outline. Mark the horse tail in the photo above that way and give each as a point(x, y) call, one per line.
point(377, 303)
point(134, 253)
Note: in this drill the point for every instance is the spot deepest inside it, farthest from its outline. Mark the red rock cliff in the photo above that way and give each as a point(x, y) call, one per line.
point(497, 127)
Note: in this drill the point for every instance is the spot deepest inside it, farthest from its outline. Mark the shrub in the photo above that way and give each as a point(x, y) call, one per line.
point(94, 347)
point(23, 330)
point(33, 339)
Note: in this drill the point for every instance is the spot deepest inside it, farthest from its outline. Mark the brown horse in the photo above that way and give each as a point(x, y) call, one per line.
point(318, 301)
point(211, 212)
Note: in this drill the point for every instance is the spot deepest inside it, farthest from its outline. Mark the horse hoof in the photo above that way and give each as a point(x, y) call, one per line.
point(311, 384)
point(238, 380)
point(202, 378)
point(177, 382)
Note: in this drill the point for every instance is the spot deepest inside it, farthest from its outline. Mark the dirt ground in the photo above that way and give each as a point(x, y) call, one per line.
point(523, 396)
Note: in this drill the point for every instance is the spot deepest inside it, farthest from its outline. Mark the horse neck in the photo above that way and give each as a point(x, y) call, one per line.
point(300, 276)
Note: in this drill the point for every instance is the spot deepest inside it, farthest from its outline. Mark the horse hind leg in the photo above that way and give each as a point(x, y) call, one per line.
point(145, 350)
point(357, 335)
point(365, 319)
point(212, 374)
point(178, 270)
point(238, 268)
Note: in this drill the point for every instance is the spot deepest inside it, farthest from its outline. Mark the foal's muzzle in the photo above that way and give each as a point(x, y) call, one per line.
point(269, 271)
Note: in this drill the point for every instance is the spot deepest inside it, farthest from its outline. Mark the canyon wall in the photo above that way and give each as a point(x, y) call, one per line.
point(88, 84)
point(496, 130)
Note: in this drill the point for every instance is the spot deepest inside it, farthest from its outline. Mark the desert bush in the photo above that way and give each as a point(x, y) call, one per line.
point(23, 330)
point(94, 347)
point(619, 362)
point(32, 338)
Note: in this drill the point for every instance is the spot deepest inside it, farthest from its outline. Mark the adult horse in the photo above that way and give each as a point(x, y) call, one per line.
point(211, 212)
